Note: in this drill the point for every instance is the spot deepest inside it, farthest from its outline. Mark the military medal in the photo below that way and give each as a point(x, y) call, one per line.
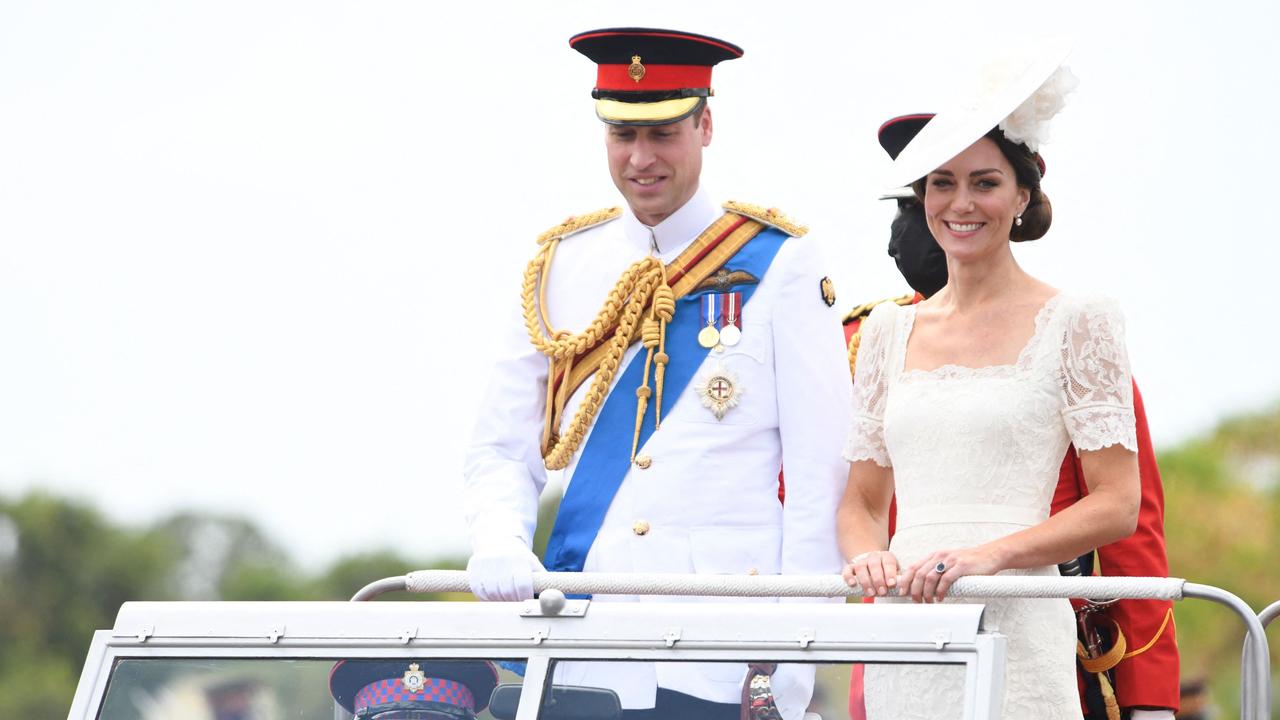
point(709, 336)
point(719, 389)
point(731, 331)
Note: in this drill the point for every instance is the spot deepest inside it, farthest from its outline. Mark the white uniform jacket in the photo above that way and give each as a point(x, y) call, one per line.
point(708, 502)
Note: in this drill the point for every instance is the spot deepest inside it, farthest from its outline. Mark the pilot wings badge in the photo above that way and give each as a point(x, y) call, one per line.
point(719, 390)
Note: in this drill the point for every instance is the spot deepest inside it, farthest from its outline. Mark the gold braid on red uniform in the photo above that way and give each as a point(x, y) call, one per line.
point(860, 313)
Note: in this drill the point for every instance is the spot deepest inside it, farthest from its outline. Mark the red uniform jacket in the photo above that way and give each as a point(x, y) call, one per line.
point(1148, 675)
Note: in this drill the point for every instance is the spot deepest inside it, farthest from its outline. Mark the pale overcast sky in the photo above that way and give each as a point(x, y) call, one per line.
point(252, 252)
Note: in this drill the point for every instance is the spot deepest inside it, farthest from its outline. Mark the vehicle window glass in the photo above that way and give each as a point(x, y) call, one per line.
point(299, 689)
point(595, 690)
point(288, 689)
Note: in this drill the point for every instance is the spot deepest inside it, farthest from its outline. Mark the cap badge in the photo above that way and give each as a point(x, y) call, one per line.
point(635, 70)
point(414, 679)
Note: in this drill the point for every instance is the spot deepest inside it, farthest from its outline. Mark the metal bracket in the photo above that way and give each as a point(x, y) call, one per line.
point(804, 637)
point(941, 637)
point(540, 634)
point(407, 635)
point(671, 636)
point(275, 633)
point(145, 632)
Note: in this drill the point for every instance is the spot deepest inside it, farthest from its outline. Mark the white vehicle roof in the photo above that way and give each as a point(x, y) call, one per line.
point(220, 634)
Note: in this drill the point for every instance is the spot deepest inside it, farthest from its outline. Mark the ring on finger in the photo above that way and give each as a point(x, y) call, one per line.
point(940, 568)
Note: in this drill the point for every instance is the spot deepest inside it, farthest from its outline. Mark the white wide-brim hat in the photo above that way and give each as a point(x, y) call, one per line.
point(999, 88)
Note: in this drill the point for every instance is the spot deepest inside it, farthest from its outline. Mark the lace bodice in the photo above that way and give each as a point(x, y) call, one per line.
point(1070, 384)
point(975, 454)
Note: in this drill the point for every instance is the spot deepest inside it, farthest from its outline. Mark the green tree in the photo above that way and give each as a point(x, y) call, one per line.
point(1222, 524)
point(65, 573)
point(221, 557)
point(65, 570)
point(343, 578)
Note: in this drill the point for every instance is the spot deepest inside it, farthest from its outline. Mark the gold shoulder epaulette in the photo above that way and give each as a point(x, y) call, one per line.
point(862, 311)
point(578, 223)
point(772, 217)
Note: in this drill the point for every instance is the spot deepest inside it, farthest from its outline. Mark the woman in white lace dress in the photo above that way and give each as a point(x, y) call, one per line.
point(964, 406)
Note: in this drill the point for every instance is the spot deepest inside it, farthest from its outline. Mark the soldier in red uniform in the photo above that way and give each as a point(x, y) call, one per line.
point(1135, 672)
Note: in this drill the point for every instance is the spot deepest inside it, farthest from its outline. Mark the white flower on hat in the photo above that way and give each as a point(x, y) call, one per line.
point(1019, 92)
point(1029, 123)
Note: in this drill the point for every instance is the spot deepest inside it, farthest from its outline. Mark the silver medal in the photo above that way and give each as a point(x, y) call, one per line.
point(730, 335)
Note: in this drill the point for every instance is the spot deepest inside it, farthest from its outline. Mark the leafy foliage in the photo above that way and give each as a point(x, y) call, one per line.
point(1222, 525)
point(65, 570)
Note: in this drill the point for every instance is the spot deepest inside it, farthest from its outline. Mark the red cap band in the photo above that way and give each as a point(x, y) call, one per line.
point(656, 78)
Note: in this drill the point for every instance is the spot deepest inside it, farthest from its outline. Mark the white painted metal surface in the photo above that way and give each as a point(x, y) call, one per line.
point(544, 632)
point(1270, 613)
point(705, 631)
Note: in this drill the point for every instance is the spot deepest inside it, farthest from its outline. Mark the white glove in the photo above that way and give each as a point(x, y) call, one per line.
point(792, 685)
point(503, 570)
point(1161, 714)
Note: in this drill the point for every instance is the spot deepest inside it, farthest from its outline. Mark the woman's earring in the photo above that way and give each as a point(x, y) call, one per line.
point(1018, 220)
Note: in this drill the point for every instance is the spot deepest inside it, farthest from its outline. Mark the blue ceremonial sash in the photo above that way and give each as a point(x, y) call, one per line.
point(606, 459)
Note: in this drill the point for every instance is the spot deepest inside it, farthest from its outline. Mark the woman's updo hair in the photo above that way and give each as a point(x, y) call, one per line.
point(1038, 216)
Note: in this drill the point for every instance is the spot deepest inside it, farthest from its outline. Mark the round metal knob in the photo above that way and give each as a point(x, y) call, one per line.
point(551, 601)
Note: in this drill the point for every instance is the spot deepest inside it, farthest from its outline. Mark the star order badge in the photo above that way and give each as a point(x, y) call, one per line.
point(828, 289)
point(719, 390)
point(414, 679)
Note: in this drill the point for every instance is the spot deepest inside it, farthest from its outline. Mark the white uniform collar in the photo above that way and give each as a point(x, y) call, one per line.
point(669, 237)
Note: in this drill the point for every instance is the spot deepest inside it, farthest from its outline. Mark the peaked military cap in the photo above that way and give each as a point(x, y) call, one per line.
point(650, 76)
point(894, 135)
point(460, 687)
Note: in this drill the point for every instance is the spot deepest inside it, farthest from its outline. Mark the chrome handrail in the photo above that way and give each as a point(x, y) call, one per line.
point(1255, 686)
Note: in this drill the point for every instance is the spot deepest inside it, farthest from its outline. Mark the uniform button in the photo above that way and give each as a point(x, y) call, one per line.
point(643, 462)
point(640, 527)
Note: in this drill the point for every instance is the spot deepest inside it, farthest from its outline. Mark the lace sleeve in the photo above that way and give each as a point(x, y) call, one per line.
point(870, 388)
point(1097, 391)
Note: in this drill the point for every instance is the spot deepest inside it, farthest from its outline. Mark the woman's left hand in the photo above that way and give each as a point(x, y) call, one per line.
point(928, 579)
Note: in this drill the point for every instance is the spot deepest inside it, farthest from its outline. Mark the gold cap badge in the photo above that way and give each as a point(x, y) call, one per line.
point(414, 679)
point(635, 70)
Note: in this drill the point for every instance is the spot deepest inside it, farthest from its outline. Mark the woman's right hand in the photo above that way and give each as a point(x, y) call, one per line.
point(875, 571)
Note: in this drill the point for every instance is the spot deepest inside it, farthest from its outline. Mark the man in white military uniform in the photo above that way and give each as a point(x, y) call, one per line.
point(671, 406)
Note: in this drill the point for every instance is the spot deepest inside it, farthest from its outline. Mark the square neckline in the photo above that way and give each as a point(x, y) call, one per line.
point(947, 370)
